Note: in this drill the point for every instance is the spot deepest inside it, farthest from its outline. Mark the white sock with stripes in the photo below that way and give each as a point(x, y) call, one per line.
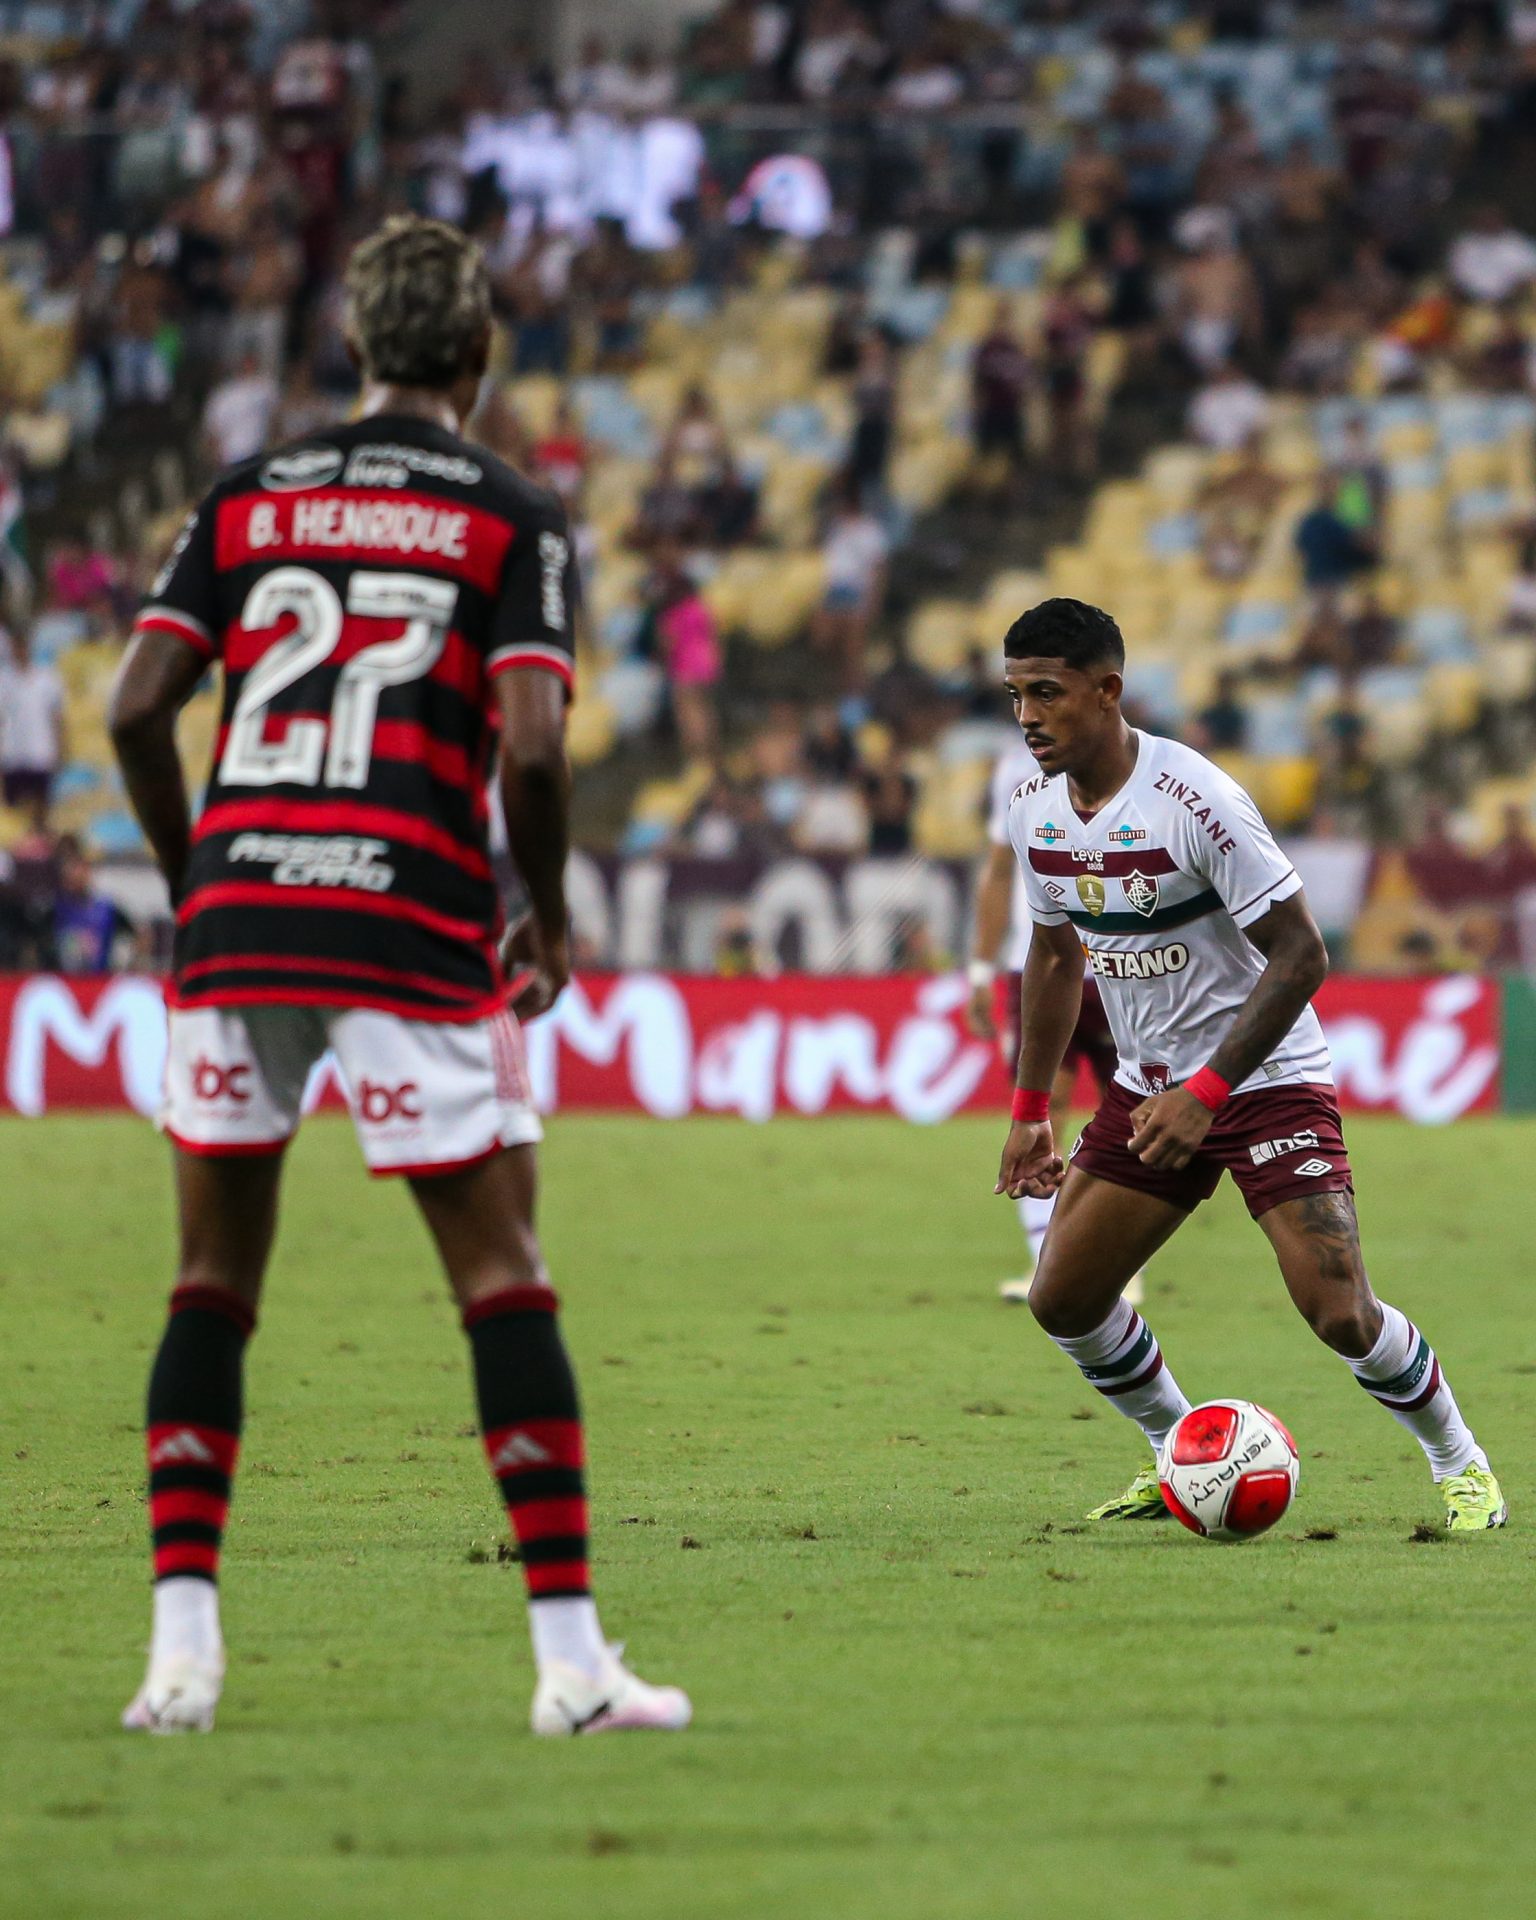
point(1123, 1361)
point(1034, 1218)
point(1401, 1371)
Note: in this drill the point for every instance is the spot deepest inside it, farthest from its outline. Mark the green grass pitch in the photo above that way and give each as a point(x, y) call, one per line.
point(837, 1493)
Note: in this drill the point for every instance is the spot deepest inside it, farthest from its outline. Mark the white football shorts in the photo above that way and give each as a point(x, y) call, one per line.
point(427, 1096)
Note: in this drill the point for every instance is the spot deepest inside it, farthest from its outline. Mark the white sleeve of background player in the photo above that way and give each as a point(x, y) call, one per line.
point(1241, 860)
point(1004, 785)
point(1042, 908)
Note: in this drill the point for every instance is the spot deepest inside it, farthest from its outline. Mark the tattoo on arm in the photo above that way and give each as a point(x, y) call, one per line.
point(1295, 965)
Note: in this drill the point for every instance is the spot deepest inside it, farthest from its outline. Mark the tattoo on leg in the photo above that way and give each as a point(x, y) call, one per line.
point(1329, 1223)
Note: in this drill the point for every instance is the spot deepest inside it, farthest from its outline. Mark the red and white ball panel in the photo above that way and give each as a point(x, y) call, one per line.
point(1228, 1469)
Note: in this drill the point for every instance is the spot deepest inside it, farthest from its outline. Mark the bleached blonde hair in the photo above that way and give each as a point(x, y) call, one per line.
point(418, 302)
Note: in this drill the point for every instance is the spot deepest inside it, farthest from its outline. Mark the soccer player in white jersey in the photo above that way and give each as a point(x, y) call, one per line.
point(1003, 924)
point(1199, 933)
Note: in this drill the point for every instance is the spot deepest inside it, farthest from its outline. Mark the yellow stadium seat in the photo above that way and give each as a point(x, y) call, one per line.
point(1455, 696)
point(593, 729)
point(1287, 790)
point(941, 634)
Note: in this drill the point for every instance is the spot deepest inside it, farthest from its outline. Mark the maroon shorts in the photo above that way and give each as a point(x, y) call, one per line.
point(1278, 1143)
point(1091, 1042)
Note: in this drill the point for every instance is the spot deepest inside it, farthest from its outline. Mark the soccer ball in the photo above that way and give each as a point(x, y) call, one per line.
point(1228, 1470)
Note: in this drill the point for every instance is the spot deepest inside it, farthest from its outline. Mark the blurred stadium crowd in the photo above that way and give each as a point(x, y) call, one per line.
point(846, 329)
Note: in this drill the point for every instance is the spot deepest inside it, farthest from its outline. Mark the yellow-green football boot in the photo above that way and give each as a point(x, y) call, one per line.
point(1142, 1500)
point(1474, 1501)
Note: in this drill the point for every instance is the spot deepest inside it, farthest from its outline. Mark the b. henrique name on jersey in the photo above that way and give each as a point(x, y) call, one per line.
point(359, 590)
point(1160, 884)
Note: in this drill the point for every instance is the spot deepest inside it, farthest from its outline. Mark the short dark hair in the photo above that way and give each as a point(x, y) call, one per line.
point(418, 302)
point(1083, 637)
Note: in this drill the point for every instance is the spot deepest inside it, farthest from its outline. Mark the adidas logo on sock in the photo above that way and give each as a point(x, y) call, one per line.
point(519, 1450)
point(182, 1445)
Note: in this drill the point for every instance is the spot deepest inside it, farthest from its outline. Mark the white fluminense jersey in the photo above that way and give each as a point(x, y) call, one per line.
point(1015, 765)
point(1160, 884)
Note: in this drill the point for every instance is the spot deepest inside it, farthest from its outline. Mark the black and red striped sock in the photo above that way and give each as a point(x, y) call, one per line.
point(194, 1416)
point(533, 1439)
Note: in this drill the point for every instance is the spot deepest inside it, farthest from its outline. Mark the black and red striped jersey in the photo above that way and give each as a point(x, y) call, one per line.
point(359, 589)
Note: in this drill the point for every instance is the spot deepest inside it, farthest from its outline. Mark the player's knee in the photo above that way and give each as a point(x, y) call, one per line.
point(1348, 1326)
point(1057, 1315)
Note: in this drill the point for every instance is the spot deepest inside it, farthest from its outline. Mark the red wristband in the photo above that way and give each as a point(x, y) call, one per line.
point(1030, 1104)
point(1209, 1089)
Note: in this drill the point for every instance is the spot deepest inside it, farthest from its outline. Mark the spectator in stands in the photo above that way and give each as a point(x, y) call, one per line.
point(1331, 552)
point(1440, 867)
point(561, 456)
point(1510, 863)
point(1519, 614)
point(690, 652)
point(736, 954)
point(668, 511)
point(1370, 633)
point(1222, 725)
point(1492, 260)
point(265, 277)
point(606, 279)
point(1130, 308)
point(1360, 490)
point(1000, 374)
point(838, 52)
point(1235, 509)
point(854, 555)
point(141, 349)
point(89, 931)
point(1503, 362)
point(696, 436)
point(1217, 306)
point(81, 578)
point(1067, 328)
point(1229, 411)
point(33, 740)
point(874, 413)
point(891, 796)
point(696, 446)
point(238, 415)
point(1092, 191)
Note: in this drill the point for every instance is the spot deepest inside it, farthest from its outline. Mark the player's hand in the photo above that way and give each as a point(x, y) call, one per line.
point(1167, 1131)
point(980, 1020)
point(1031, 1164)
point(539, 964)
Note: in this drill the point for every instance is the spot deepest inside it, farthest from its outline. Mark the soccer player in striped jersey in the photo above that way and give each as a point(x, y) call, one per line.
point(1199, 934)
point(1003, 920)
point(388, 605)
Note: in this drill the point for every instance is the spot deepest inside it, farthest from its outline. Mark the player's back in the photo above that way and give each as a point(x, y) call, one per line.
point(360, 588)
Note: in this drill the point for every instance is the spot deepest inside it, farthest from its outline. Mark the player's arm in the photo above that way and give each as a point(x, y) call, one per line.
point(1050, 1000)
point(1170, 1127)
point(172, 643)
point(994, 904)
point(532, 664)
point(536, 798)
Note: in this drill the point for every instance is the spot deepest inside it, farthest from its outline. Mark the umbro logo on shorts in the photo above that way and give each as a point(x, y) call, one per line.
point(182, 1445)
point(1272, 1150)
point(1312, 1168)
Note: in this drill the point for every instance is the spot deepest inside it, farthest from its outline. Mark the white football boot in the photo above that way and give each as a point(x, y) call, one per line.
point(570, 1700)
point(179, 1695)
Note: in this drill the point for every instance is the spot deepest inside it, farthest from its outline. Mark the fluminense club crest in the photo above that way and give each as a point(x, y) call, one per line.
point(1141, 892)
